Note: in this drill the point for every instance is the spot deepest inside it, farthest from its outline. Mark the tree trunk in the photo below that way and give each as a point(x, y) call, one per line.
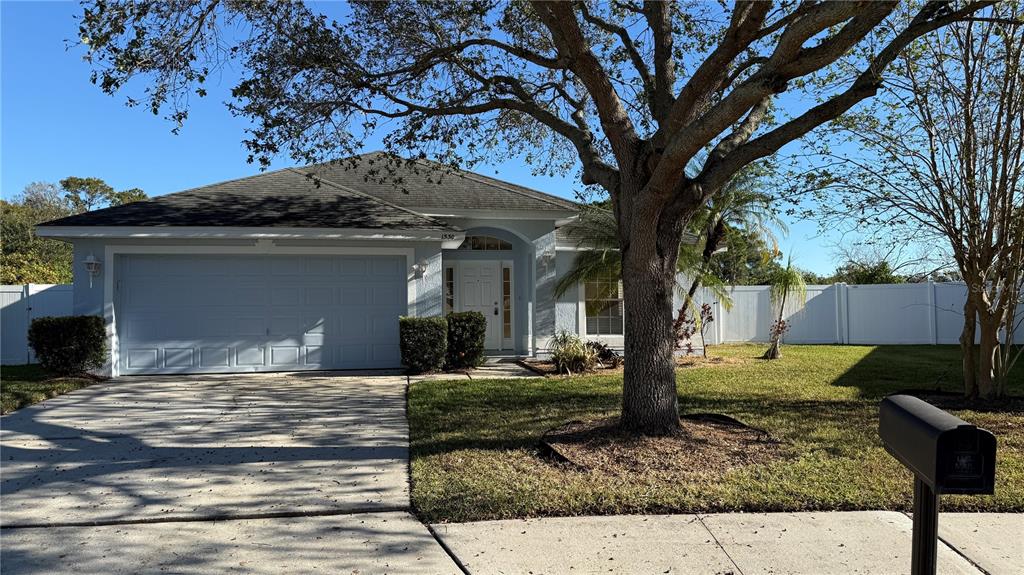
point(710, 247)
point(650, 403)
point(988, 354)
point(970, 367)
point(775, 349)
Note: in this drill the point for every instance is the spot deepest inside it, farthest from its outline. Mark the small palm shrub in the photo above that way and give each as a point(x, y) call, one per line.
point(423, 341)
point(570, 354)
point(606, 356)
point(68, 345)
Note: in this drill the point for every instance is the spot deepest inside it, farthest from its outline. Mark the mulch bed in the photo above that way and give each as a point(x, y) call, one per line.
point(546, 368)
point(706, 444)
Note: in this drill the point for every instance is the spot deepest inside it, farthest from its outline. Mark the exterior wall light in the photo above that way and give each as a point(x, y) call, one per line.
point(93, 266)
point(419, 269)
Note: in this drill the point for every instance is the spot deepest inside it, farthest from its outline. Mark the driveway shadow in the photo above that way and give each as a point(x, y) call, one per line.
point(226, 450)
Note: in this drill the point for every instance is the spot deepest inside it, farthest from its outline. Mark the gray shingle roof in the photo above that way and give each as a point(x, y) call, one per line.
point(371, 191)
point(425, 185)
point(285, 198)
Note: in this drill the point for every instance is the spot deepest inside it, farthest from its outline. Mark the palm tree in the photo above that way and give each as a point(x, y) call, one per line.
point(596, 231)
point(741, 205)
point(785, 281)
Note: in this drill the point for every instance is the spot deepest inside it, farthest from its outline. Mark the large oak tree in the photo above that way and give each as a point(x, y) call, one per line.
point(630, 92)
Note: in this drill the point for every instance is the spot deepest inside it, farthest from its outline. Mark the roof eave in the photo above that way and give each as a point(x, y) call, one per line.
point(452, 235)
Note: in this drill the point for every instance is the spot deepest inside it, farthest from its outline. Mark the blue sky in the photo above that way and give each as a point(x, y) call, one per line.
point(54, 123)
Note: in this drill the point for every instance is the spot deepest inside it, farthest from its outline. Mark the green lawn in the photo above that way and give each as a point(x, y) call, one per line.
point(474, 443)
point(22, 385)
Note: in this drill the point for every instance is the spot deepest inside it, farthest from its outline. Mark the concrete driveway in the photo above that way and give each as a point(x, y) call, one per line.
point(284, 457)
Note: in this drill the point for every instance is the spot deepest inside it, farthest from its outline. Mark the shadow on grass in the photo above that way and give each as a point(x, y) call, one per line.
point(510, 424)
point(932, 372)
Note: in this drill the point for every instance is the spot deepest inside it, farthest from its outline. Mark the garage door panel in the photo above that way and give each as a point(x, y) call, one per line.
point(215, 357)
point(386, 295)
point(287, 266)
point(258, 313)
point(353, 267)
point(143, 358)
point(386, 268)
point(251, 356)
point(320, 266)
point(357, 353)
point(319, 296)
point(179, 357)
point(315, 355)
point(354, 295)
point(281, 355)
point(384, 354)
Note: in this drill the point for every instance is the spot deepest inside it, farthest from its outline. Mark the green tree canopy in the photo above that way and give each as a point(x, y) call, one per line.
point(27, 258)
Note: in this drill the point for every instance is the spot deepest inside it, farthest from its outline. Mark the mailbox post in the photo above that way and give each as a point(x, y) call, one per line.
point(947, 456)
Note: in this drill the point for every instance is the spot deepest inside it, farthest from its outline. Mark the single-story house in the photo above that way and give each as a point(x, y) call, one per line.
point(310, 268)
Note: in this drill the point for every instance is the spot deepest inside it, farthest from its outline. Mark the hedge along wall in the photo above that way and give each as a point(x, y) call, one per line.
point(424, 341)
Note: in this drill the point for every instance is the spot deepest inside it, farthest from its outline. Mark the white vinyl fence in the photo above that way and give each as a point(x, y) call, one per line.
point(19, 305)
point(920, 313)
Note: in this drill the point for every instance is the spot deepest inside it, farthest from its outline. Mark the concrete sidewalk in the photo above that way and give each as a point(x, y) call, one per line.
point(867, 542)
point(392, 542)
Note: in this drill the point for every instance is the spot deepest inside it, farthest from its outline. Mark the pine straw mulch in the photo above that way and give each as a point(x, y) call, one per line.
point(547, 368)
point(705, 444)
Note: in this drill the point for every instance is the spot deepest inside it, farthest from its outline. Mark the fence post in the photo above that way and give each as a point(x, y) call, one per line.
point(719, 320)
point(26, 293)
point(843, 312)
point(933, 331)
point(839, 325)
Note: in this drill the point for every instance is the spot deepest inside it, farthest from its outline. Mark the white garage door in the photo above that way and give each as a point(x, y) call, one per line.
point(194, 314)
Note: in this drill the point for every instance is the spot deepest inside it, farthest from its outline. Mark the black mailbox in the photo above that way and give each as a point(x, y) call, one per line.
point(946, 454)
point(950, 455)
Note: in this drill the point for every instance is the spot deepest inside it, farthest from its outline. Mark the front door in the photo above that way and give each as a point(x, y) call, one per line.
point(480, 283)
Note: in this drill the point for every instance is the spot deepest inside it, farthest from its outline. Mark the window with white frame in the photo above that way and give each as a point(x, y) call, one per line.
point(603, 307)
point(485, 243)
point(449, 290)
point(506, 302)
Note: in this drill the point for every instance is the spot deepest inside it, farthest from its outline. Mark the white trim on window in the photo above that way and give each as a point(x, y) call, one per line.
point(614, 340)
point(261, 247)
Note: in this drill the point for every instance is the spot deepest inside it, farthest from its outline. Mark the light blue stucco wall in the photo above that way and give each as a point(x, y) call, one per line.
point(567, 305)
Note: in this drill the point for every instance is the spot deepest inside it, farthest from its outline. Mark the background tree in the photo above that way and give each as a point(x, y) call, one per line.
point(87, 194)
point(26, 258)
point(629, 92)
point(748, 259)
point(787, 283)
point(866, 272)
point(940, 161)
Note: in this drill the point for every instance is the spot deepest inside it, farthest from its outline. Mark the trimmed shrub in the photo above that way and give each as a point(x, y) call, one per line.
point(424, 341)
point(69, 345)
point(570, 355)
point(466, 332)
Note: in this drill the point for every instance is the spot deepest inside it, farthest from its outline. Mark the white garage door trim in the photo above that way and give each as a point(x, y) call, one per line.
point(261, 247)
